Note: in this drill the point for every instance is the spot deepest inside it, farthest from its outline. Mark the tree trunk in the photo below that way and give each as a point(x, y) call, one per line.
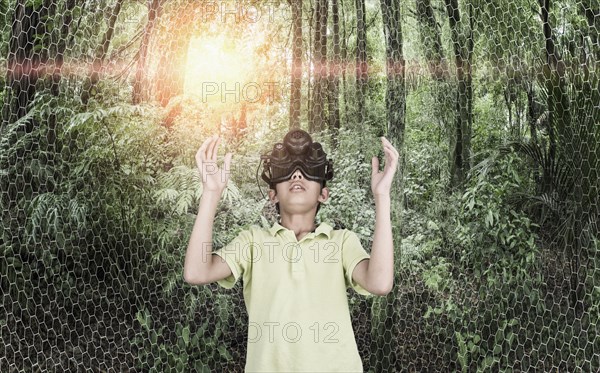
point(100, 54)
point(55, 78)
point(344, 57)
point(62, 46)
point(361, 61)
point(463, 49)
point(311, 64)
point(531, 113)
point(296, 78)
point(532, 121)
point(433, 51)
point(385, 324)
point(320, 60)
point(334, 75)
point(140, 89)
point(25, 61)
point(551, 64)
point(591, 11)
point(431, 40)
point(572, 137)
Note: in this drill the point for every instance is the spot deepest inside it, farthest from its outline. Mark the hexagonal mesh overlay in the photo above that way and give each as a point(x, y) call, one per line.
point(493, 106)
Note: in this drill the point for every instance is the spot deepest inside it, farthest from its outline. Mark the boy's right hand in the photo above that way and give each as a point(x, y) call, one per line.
point(214, 179)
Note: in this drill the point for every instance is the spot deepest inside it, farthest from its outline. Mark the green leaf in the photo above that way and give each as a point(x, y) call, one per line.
point(153, 337)
point(488, 362)
point(499, 336)
point(224, 353)
point(497, 349)
point(433, 280)
point(428, 312)
point(201, 367)
point(202, 329)
point(185, 334)
point(432, 225)
point(489, 219)
point(461, 343)
point(142, 319)
point(510, 338)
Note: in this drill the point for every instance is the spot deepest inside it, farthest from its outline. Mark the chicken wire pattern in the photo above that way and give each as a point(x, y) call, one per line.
point(96, 193)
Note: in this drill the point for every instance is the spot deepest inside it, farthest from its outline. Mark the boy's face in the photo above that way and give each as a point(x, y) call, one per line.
point(298, 194)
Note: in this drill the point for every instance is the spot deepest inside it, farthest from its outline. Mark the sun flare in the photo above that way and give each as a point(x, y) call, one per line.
point(217, 69)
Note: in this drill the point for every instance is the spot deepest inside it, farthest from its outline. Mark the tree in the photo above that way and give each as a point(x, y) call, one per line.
point(61, 46)
point(462, 42)
point(361, 60)
point(431, 40)
point(334, 74)
point(430, 36)
point(320, 60)
point(100, 54)
point(590, 9)
point(296, 75)
point(139, 84)
point(385, 309)
point(26, 57)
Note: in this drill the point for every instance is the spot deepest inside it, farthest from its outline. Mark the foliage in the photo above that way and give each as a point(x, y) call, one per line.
point(350, 205)
point(97, 201)
point(193, 347)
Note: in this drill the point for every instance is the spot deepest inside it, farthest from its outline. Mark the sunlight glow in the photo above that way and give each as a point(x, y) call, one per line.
point(218, 70)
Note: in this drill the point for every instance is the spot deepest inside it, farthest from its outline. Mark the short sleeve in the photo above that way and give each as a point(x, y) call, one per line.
point(352, 254)
point(236, 255)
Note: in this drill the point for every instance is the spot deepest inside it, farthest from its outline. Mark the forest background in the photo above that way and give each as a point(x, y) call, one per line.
point(493, 105)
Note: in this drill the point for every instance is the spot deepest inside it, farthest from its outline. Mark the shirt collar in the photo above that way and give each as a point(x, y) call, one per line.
point(322, 228)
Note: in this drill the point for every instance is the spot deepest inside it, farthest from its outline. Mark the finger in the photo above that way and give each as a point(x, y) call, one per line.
point(388, 158)
point(206, 150)
point(211, 147)
point(374, 166)
point(216, 148)
point(202, 151)
point(227, 162)
point(200, 164)
point(392, 151)
point(388, 143)
point(390, 162)
point(394, 157)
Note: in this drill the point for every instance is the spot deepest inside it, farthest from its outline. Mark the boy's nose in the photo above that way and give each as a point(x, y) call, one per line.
point(297, 174)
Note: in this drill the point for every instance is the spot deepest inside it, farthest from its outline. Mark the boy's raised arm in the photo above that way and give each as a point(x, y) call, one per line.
point(201, 267)
point(377, 274)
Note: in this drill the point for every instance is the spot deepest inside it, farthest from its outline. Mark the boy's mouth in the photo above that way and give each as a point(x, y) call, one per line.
point(296, 188)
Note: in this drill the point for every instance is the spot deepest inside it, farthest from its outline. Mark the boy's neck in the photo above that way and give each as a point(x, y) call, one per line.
point(301, 224)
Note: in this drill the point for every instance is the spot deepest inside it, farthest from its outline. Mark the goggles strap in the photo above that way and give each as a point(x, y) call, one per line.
point(257, 182)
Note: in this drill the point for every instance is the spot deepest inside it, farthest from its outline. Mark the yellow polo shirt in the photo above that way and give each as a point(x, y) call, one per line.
point(295, 295)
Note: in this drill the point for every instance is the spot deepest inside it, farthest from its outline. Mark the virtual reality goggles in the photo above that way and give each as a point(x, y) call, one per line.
point(297, 151)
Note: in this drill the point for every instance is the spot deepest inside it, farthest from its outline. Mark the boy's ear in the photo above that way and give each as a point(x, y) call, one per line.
point(324, 196)
point(273, 195)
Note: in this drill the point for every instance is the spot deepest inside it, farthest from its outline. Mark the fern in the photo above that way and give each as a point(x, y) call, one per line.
point(181, 188)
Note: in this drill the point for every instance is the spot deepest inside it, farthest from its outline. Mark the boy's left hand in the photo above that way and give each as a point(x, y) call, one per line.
point(381, 181)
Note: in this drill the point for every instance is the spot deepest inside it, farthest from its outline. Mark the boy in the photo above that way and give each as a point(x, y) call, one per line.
point(295, 274)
